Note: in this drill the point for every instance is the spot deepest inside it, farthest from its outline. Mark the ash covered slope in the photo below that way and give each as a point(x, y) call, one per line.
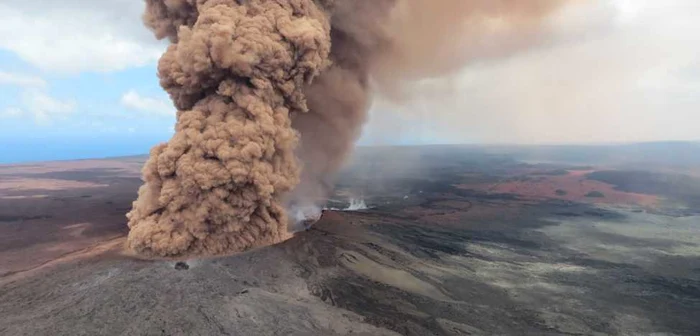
point(260, 293)
point(429, 258)
point(370, 274)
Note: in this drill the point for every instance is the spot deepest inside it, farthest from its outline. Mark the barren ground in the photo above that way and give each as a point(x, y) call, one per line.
point(458, 241)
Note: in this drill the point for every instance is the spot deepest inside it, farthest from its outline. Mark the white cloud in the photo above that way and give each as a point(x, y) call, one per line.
point(150, 105)
point(629, 9)
point(41, 106)
point(34, 100)
point(21, 80)
point(11, 112)
point(45, 108)
point(78, 35)
point(634, 76)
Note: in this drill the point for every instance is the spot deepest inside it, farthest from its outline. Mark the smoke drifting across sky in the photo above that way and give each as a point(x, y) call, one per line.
point(272, 94)
point(607, 71)
point(626, 68)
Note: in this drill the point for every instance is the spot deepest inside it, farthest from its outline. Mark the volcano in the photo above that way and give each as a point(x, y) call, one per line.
point(437, 252)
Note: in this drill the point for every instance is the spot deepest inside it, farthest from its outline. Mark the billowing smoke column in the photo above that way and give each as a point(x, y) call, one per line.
point(272, 94)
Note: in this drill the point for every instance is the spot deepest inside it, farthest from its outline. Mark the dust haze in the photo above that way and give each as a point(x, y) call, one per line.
point(604, 71)
point(272, 95)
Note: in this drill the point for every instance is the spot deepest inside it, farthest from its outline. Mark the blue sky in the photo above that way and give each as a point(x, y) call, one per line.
point(78, 80)
point(86, 114)
point(89, 88)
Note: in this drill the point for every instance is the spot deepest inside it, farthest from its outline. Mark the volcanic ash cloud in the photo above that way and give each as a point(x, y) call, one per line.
point(236, 74)
point(268, 108)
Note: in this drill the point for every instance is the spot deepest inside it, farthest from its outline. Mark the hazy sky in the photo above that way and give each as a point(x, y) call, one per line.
point(614, 70)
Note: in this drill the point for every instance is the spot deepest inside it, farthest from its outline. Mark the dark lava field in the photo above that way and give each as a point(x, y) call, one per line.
point(454, 240)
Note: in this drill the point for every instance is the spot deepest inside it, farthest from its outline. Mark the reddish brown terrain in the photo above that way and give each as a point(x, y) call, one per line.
point(60, 211)
point(455, 241)
point(570, 185)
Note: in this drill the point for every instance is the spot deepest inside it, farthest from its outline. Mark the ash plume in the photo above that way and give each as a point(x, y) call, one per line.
point(272, 94)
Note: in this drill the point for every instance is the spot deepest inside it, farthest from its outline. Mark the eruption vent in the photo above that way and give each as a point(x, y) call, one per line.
point(236, 74)
point(269, 108)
